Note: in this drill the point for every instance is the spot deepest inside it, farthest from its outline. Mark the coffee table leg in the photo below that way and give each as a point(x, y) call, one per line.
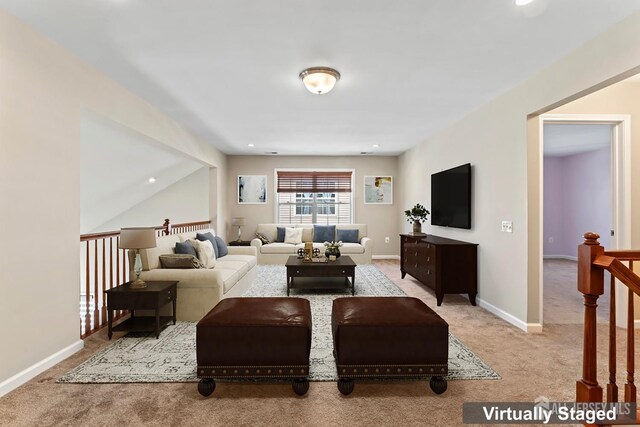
point(289, 280)
point(174, 310)
point(353, 284)
point(157, 323)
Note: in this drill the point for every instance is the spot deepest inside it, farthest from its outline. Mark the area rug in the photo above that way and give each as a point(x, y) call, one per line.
point(141, 358)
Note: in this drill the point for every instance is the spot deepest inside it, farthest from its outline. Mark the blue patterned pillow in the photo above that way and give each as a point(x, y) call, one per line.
point(222, 249)
point(185, 248)
point(324, 233)
point(280, 235)
point(348, 236)
point(208, 236)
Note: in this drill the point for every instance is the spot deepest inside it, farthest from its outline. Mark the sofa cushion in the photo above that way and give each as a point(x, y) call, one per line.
point(205, 253)
point(264, 239)
point(362, 228)
point(239, 266)
point(347, 236)
point(324, 233)
point(185, 248)
point(250, 260)
point(351, 248)
point(164, 246)
point(293, 236)
point(229, 277)
point(280, 234)
point(221, 246)
point(210, 237)
point(279, 248)
point(180, 261)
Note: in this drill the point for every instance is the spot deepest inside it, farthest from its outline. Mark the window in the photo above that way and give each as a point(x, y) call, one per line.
point(314, 197)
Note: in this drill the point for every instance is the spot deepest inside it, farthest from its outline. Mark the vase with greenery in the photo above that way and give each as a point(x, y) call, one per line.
point(417, 215)
point(333, 248)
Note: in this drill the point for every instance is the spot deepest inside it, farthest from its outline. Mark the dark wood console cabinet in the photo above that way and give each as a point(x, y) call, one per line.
point(447, 266)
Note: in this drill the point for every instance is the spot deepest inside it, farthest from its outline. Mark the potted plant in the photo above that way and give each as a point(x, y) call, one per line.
point(417, 215)
point(333, 248)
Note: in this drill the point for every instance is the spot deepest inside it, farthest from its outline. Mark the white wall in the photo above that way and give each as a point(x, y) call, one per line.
point(43, 92)
point(184, 201)
point(495, 140)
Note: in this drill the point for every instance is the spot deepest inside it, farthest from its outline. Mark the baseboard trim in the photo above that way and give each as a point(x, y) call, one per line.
point(396, 257)
point(567, 257)
point(22, 377)
point(509, 318)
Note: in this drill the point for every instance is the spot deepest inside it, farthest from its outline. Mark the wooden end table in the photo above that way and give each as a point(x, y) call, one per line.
point(318, 270)
point(156, 295)
point(239, 243)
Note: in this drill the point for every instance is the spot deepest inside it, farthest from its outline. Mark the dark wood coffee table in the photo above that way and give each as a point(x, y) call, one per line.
point(318, 274)
point(153, 297)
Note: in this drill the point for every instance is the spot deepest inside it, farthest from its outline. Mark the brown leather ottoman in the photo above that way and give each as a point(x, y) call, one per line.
point(255, 338)
point(388, 337)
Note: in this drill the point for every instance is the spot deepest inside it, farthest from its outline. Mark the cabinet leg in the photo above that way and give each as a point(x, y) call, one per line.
point(439, 298)
point(404, 273)
point(472, 298)
point(110, 316)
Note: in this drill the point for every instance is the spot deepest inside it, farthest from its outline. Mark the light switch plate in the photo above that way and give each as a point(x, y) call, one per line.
point(507, 226)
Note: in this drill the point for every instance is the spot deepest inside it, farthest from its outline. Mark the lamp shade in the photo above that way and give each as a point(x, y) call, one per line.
point(137, 238)
point(238, 221)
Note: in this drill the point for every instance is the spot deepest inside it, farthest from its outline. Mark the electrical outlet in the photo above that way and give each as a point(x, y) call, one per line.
point(550, 239)
point(386, 240)
point(507, 226)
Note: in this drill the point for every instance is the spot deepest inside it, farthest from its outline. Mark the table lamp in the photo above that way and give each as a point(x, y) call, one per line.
point(136, 238)
point(238, 222)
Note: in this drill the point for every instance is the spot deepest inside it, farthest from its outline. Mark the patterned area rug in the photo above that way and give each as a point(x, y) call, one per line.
point(140, 358)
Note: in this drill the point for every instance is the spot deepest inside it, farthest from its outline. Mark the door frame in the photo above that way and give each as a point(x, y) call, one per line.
point(620, 191)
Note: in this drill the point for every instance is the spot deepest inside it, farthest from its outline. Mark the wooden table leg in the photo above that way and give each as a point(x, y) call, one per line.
point(353, 283)
point(289, 280)
point(157, 322)
point(174, 310)
point(110, 316)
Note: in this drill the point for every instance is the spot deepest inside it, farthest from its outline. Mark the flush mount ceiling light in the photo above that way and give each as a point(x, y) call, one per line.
point(522, 2)
point(319, 80)
point(151, 180)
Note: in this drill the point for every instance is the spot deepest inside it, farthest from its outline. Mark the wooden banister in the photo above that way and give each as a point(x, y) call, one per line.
point(593, 260)
point(104, 265)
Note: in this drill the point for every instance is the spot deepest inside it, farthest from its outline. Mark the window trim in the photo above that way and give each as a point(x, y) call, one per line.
point(276, 202)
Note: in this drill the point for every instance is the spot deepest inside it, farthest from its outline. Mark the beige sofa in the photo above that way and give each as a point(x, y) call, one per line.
point(201, 289)
point(277, 253)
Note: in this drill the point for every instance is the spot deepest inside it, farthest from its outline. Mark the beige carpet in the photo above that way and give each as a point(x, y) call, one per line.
point(530, 365)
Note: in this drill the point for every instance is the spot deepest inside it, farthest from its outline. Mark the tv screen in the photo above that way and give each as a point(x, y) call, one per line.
point(451, 197)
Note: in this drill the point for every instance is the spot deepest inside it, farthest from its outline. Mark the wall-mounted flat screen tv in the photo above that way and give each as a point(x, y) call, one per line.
point(451, 197)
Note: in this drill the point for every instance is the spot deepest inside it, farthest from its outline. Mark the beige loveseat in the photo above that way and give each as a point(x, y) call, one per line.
point(277, 253)
point(201, 289)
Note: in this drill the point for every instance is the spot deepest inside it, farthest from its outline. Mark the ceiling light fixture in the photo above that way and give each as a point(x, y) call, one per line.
point(522, 2)
point(151, 180)
point(319, 80)
point(376, 145)
point(251, 145)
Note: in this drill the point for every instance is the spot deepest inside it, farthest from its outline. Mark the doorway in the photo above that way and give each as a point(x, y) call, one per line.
point(586, 184)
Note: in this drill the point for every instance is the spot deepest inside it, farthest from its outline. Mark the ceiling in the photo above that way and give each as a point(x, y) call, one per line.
point(115, 166)
point(228, 70)
point(566, 139)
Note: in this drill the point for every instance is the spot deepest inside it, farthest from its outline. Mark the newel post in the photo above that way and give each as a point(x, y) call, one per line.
point(166, 227)
point(591, 285)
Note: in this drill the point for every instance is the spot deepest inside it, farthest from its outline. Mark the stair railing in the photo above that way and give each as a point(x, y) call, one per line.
point(593, 260)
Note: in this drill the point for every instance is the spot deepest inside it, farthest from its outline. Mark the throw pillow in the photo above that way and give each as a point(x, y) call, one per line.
point(347, 236)
point(185, 248)
point(223, 250)
point(206, 255)
point(208, 236)
point(324, 233)
point(180, 261)
point(280, 235)
point(264, 239)
point(293, 235)
point(307, 234)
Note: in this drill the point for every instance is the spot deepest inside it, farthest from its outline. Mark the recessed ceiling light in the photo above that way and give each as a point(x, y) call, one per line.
point(376, 145)
point(250, 145)
point(522, 2)
point(151, 180)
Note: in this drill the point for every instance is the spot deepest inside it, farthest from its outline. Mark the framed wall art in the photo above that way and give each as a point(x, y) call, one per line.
point(252, 189)
point(378, 190)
